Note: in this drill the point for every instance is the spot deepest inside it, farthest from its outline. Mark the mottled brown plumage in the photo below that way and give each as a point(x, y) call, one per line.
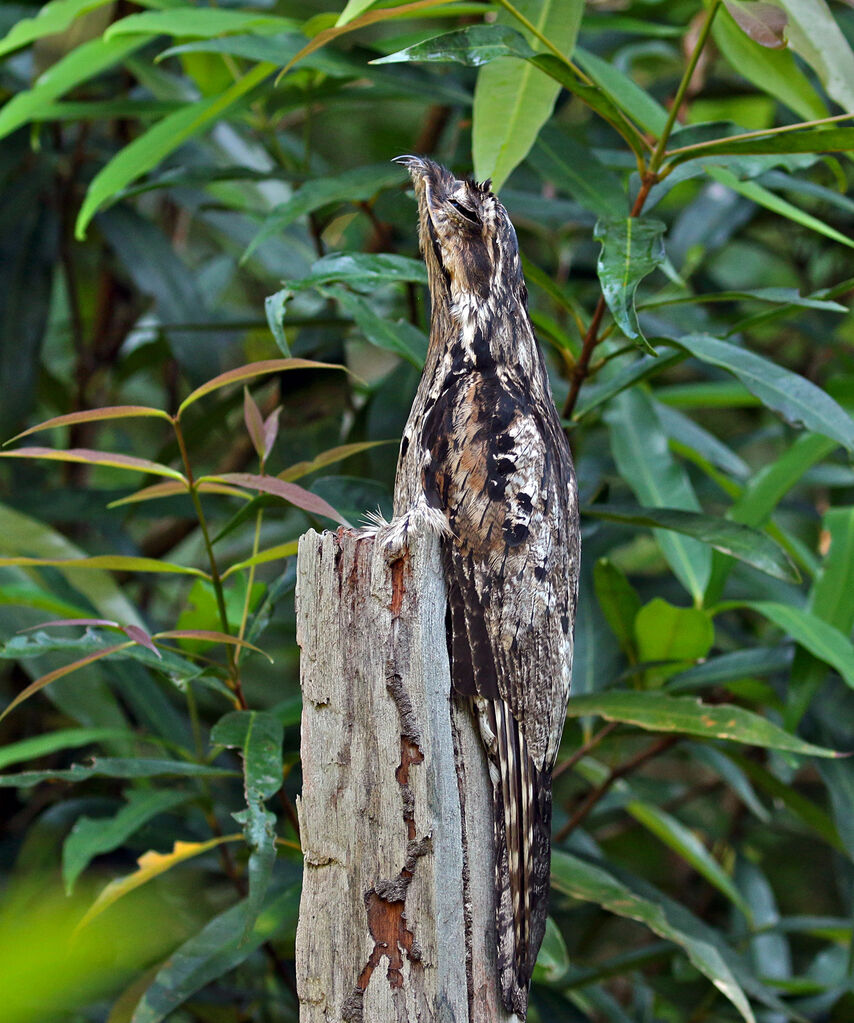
point(484, 463)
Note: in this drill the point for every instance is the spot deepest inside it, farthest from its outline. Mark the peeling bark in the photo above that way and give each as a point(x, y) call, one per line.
point(396, 919)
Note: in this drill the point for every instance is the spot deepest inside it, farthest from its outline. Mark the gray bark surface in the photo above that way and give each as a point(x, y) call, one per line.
point(396, 920)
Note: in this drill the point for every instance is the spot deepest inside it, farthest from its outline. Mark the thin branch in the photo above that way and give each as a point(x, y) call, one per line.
point(632, 764)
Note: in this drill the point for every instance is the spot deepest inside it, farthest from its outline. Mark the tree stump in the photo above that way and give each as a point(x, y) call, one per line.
point(396, 919)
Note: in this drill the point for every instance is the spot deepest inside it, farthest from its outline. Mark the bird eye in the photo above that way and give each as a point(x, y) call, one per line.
point(465, 212)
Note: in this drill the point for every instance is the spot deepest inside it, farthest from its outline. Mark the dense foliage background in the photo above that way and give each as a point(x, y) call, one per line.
point(174, 208)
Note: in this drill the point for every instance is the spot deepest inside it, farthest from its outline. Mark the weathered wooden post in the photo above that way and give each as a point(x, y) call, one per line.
point(396, 919)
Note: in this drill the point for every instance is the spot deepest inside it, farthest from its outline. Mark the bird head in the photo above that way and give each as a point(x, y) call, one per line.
point(468, 242)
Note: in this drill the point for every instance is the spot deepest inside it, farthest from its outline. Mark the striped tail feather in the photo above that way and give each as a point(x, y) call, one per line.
point(522, 802)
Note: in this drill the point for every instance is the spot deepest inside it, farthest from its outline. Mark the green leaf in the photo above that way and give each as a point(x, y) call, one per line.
point(821, 638)
point(213, 953)
point(52, 676)
point(186, 21)
point(474, 46)
point(793, 397)
point(53, 742)
point(619, 601)
point(806, 141)
point(330, 457)
point(82, 63)
point(658, 712)
point(592, 883)
point(687, 436)
point(732, 538)
point(356, 185)
point(685, 843)
point(574, 168)
point(763, 197)
point(107, 767)
point(631, 249)
point(146, 151)
point(396, 336)
point(111, 562)
point(829, 600)
point(352, 9)
point(259, 736)
point(480, 44)
point(642, 368)
point(362, 269)
point(631, 98)
point(643, 458)
point(813, 34)
point(514, 99)
point(91, 837)
point(54, 17)
point(24, 534)
point(149, 866)
point(274, 310)
point(774, 71)
point(553, 959)
point(664, 632)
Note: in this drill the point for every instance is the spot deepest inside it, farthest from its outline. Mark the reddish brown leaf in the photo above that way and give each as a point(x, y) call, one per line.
point(289, 492)
point(52, 676)
point(271, 431)
point(762, 22)
point(140, 636)
point(94, 415)
point(211, 636)
point(253, 369)
point(170, 489)
point(71, 621)
point(254, 422)
point(90, 457)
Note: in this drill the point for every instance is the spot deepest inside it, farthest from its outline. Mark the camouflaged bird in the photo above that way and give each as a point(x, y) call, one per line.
point(485, 463)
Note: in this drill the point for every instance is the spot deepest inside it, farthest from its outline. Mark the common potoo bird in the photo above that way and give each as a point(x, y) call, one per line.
point(485, 463)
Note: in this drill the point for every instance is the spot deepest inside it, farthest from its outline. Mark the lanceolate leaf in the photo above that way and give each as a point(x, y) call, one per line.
point(88, 457)
point(97, 415)
point(91, 837)
point(362, 270)
point(512, 98)
point(791, 396)
point(593, 883)
point(248, 372)
point(641, 451)
point(82, 63)
point(631, 249)
point(146, 151)
point(213, 953)
point(742, 542)
point(150, 865)
point(396, 336)
point(112, 562)
point(770, 200)
point(659, 712)
point(361, 183)
point(480, 44)
point(106, 767)
point(289, 492)
point(52, 676)
point(821, 638)
point(185, 21)
point(52, 18)
point(258, 735)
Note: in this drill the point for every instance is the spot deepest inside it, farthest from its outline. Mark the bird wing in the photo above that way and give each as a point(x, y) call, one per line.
point(500, 469)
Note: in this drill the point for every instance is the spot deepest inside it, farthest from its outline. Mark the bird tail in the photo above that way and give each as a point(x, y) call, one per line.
point(522, 807)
